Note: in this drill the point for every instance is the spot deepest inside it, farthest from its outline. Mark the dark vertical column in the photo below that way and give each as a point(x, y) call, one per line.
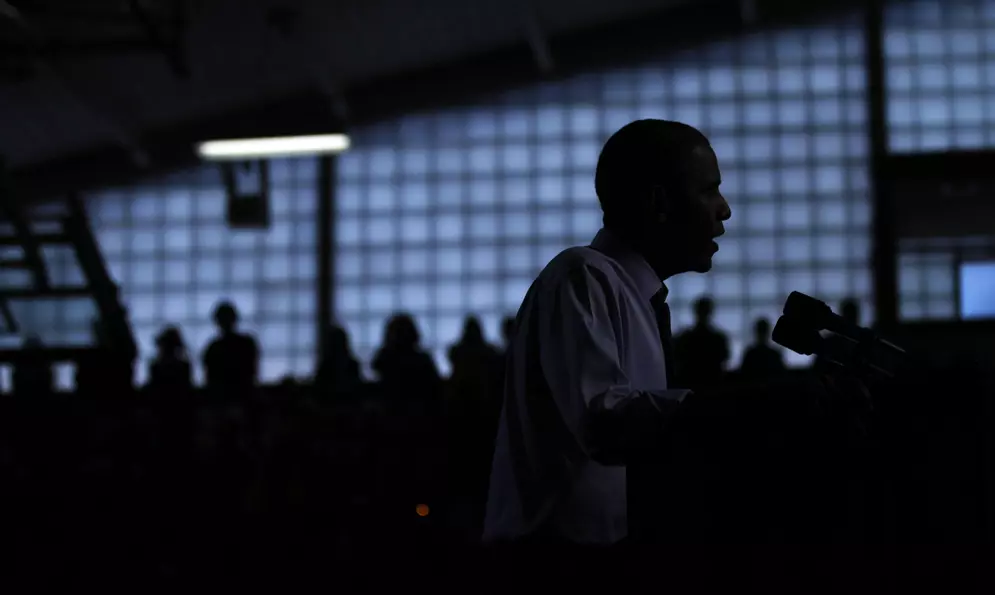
point(884, 241)
point(326, 246)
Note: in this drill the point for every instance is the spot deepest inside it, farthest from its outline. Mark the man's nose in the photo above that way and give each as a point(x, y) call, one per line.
point(725, 212)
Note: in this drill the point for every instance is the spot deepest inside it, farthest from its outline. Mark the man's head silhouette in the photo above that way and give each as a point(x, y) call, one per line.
point(761, 331)
point(473, 333)
point(226, 317)
point(658, 185)
point(336, 341)
point(703, 309)
point(169, 342)
point(401, 332)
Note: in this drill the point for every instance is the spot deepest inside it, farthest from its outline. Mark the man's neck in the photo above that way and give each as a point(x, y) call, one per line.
point(633, 240)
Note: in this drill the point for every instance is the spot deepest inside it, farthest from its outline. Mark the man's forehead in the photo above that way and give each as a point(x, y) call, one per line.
point(704, 154)
point(702, 162)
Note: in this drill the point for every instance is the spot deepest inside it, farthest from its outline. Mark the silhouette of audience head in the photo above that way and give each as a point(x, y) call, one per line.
point(703, 309)
point(850, 311)
point(170, 343)
point(337, 341)
point(32, 343)
point(473, 333)
point(401, 333)
point(508, 329)
point(226, 317)
point(761, 331)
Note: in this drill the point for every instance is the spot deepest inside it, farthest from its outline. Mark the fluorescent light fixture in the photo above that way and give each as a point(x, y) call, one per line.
point(261, 148)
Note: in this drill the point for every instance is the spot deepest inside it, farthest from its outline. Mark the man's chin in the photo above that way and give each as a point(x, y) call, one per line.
point(703, 265)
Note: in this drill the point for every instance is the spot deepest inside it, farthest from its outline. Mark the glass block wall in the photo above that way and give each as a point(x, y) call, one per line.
point(940, 58)
point(167, 243)
point(450, 213)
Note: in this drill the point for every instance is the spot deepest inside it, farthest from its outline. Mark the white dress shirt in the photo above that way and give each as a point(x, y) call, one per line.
point(586, 391)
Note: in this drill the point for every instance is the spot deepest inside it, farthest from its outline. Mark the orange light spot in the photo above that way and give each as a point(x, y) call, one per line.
point(422, 510)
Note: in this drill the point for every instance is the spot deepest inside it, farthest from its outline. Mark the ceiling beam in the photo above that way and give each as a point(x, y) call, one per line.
point(170, 43)
point(457, 83)
point(604, 46)
point(121, 134)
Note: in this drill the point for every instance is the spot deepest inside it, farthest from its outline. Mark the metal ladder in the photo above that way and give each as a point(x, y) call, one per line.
point(58, 223)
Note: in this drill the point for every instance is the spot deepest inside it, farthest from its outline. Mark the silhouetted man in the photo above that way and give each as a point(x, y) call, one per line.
point(338, 372)
point(850, 311)
point(404, 369)
point(170, 371)
point(170, 386)
point(33, 375)
point(475, 363)
point(474, 386)
point(762, 360)
point(105, 370)
point(588, 388)
point(701, 351)
point(231, 361)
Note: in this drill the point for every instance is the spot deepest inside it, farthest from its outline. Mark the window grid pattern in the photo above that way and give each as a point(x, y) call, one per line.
point(453, 213)
point(926, 285)
point(940, 65)
point(168, 246)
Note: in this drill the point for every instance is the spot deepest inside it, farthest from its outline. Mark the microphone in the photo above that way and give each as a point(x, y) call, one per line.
point(850, 346)
point(819, 315)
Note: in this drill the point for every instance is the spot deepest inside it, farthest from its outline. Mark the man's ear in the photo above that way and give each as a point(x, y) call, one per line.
point(660, 203)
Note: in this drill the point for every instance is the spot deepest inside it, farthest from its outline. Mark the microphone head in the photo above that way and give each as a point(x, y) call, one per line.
point(801, 306)
point(797, 334)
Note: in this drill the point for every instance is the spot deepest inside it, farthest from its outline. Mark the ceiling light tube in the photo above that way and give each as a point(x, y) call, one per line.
point(275, 147)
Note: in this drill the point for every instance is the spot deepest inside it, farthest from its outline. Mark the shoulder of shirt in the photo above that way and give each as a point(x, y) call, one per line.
point(578, 259)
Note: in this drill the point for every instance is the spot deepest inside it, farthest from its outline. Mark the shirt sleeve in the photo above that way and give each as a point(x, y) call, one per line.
point(580, 360)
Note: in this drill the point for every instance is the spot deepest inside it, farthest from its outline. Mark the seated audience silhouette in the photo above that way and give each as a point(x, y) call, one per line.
point(475, 363)
point(338, 372)
point(702, 351)
point(761, 359)
point(33, 374)
point(231, 361)
point(403, 368)
point(170, 371)
point(104, 370)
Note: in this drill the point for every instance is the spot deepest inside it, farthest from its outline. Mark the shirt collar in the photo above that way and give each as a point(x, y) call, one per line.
point(647, 281)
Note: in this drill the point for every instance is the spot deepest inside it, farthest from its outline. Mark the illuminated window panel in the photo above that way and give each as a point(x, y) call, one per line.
point(940, 65)
point(977, 290)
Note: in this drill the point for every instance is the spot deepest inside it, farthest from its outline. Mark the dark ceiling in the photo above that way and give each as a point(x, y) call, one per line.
point(100, 91)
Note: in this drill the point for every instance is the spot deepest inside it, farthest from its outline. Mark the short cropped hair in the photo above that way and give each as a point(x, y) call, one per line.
point(640, 155)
